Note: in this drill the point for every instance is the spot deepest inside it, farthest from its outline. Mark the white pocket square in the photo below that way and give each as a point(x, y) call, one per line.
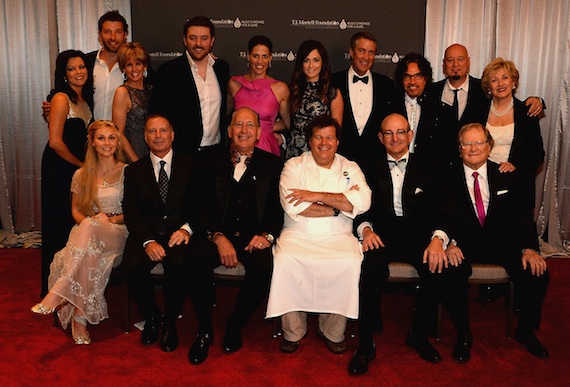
point(502, 192)
point(418, 190)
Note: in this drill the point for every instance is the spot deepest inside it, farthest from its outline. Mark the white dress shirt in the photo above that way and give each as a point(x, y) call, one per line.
point(210, 101)
point(483, 185)
point(360, 97)
point(105, 83)
point(414, 111)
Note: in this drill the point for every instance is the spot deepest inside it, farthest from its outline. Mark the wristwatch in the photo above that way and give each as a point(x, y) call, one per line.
point(270, 238)
point(336, 211)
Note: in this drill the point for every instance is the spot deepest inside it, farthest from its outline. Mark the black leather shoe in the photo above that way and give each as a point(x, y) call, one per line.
point(462, 349)
point(359, 363)
point(169, 340)
point(232, 339)
point(424, 348)
point(531, 342)
point(150, 332)
point(199, 350)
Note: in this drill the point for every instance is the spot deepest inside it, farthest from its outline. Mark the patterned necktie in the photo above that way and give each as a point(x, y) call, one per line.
point(240, 168)
point(456, 104)
point(356, 78)
point(163, 181)
point(478, 200)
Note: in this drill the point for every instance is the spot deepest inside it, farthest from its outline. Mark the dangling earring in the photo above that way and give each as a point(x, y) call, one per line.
point(65, 80)
point(124, 76)
point(269, 64)
point(247, 63)
point(145, 73)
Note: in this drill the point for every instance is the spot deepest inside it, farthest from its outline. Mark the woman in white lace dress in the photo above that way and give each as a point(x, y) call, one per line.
point(79, 272)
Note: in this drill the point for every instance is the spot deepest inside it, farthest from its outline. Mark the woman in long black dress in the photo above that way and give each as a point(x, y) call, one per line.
point(68, 119)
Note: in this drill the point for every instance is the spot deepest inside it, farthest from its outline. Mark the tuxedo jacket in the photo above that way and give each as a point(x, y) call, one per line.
point(352, 145)
point(446, 127)
point(509, 226)
point(420, 195)
point(146, 216)
point(175, 95)
point(262, 173)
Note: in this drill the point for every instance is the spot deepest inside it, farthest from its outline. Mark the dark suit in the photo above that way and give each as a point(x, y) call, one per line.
point(446, 126)
point(405, 238)
point(353, 145)
point(147, 218)
point(508, 229)
point(175, 95)
point(241, 210)
point(527, 152)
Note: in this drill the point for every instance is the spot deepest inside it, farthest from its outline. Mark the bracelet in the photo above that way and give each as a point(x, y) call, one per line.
point(213, 235)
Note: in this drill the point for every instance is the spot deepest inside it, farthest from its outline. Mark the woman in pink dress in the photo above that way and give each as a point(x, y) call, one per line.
point(267, 96)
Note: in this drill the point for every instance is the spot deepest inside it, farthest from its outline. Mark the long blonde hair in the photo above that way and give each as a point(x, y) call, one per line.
point(87, 176)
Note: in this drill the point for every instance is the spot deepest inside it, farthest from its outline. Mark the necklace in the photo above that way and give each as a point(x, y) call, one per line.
point(497, 113)
point(104, 173)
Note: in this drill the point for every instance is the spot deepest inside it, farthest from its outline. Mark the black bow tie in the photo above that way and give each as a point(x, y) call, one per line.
point(356, 78)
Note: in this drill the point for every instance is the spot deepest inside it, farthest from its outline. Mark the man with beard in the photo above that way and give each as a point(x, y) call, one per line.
point(103, 65)
point(191, 91)
point(459, 100)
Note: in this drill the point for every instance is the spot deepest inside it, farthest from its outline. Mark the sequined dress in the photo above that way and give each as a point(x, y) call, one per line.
point(136, 117)
point(79, 272)
point(311, 106)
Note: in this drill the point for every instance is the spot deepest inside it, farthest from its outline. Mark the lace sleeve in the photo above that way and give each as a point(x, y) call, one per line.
point(75, 188)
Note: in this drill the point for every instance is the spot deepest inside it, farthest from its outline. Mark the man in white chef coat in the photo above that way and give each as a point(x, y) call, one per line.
point(317, 258)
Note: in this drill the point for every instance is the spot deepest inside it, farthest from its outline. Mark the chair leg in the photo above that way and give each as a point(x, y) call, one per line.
point(511, 307)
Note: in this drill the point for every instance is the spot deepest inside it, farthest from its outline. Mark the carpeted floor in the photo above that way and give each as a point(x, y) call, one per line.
point(34, 352)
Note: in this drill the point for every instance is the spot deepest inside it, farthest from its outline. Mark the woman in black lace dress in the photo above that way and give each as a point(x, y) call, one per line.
point(132, 99)
point(311, 94)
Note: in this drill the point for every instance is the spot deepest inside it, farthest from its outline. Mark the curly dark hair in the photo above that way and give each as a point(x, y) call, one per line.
point(298, 80)
point(322, 121)
point(60, 79)
point(423, 65)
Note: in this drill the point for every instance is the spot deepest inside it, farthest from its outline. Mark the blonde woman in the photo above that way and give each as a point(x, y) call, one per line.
point(79, 272)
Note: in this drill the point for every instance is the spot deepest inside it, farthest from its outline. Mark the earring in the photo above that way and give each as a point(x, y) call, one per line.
point(124, 76)
point(247, 63)
point(65, 79)
point(270, 64)
point(145, 73)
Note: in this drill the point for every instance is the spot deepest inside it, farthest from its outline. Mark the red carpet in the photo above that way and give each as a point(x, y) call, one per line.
point(34, 352)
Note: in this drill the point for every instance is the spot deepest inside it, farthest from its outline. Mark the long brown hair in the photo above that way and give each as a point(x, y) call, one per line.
point(87, 174)
point(298, 79)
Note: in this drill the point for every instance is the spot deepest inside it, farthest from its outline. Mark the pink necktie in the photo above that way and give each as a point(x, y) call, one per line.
point(479, 199)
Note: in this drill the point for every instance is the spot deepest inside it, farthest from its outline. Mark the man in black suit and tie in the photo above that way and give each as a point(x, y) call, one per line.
point(400, 227)
point(191, 90)
point(490, 224)
point(158, 216)
point(369, 97)
point(459, 99)
point(240, 218)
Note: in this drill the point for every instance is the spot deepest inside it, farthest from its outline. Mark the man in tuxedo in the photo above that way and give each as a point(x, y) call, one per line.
point(368, 99)
point(240, 219)
point(158, 216)
point(413, 78)
point(459, 100)
point(403, 225)
point(490, 224)
point(191, 90)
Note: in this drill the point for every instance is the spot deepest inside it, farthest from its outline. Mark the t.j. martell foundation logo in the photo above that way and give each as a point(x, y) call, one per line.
point(237, 23)
point(329, 24)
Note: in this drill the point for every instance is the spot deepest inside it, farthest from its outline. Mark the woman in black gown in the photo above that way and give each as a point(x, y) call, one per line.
point(68, 119)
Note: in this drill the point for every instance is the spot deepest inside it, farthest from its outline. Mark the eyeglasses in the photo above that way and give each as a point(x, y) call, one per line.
point(416, 76)
point(241, 125)
point(399, 133)
point(470, 144)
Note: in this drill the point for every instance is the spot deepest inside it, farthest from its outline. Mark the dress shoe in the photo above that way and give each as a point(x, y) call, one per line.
point(149, 334)
point(199, 350)
point(424, 348)
point(232, 339)
point(531, 342)
point(359, 363)
point(80, 339)
point(462, 349)
point(288, 346)
point(169, 340)
point(44, 310)
point(331, 345)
